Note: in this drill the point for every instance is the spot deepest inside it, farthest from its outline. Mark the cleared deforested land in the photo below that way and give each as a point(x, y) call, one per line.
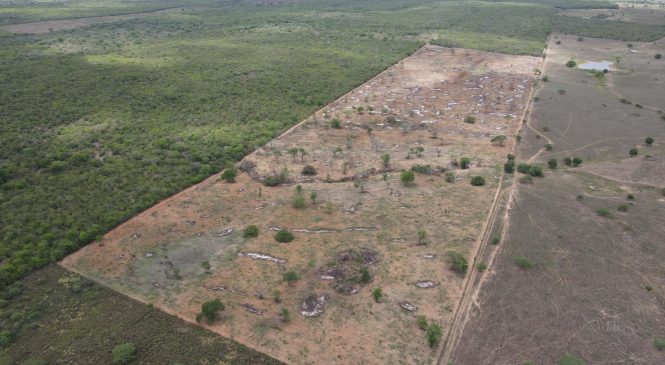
point(336, 182)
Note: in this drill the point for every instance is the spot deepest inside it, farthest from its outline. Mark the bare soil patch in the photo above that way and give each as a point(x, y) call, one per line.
point(190, 248)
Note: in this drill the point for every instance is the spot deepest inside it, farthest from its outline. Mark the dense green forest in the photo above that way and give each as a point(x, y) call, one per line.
point(100, 123)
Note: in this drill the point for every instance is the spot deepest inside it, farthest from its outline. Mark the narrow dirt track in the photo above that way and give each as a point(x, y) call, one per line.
point(470, 288)
point(63, 24)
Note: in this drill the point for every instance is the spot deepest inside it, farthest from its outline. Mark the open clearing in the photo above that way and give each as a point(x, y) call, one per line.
point(190, 248)
point(580, 270)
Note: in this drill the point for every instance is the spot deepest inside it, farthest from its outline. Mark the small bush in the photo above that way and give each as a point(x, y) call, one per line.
point(123, 353)
point(523, 262)
point(209, 310)
point(433, 334)
point(286, 315)
point(549, 147)
point(536, 171)
point(229, 175)
point(422, 322)
point(623, 207)
point(602, 212)
point(250, 231)
point(336, 124)
point(571, 63)
point(408, 178)
point(658, 56)
point(457, 262)
point(526, 179)
point(477, 181)
point(633, 152)
point(630, 197)
point(377, 294)
point(576, 161)
point(365, 277)
point(648, 141)
point(523, 168)
point(464, 163)
point(422, 236)
point(283, 236)
point(290, 277)
point(481, 267)
point(298, 201)
point(659, 343)
point(423, 169)
point(450, 177)
point(496, 240)
point(552, 164)
point(509, 167)
point(568, 359)
point(469, 119)
point(308, 170)
point(567, 161)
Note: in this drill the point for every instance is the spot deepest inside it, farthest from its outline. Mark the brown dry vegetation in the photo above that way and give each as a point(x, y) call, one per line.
point(157, 256)
point(596, 288)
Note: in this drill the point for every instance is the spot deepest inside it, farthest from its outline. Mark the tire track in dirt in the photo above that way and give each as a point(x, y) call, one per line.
point(471, 289)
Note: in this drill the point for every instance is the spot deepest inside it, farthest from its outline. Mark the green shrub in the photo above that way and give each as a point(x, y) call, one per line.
point(568, 359)
point(496, 240)
point(576, 161)
point(648, 141)
point(602, 212)
point(423, 169)
point(365, 277)
point(457, 262)
point(284, 236)
point(630, 197)
point(633, 152)
point(469, 119)
point(551, 163)
point(524, 262)
point(377, 294)
point(209, 310)
point(37, 361)
point(433, 334)
point(335, 123)
point(548, 147)
point(250, 231)
point(523, 168)
point(229, 175)
point(464, 163)
point(477, 181)
point(481, 267)
point(509, 167)
point(290, 277)
point(536, 171)
point(659, 343)
point(123, 353)
point(286, 315)
point(422, 322)
point(449, 177)
point(658, 56)
point(623, 207)
point(308, 170)
point(385, 160)
point(567, 161)
point(408, 178)
point(571, 63)
point(298, 201)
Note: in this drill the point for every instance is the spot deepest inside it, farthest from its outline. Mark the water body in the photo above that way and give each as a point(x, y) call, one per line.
point(602, 65)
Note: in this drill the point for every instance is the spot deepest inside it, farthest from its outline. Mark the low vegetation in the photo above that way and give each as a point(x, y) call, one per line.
point(210, 310)
point(123, 353)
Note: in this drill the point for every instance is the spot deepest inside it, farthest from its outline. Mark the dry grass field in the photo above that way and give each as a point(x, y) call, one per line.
point(580, 270)
point(362, 229)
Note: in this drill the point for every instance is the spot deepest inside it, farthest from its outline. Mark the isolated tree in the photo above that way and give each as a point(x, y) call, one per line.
point(477, 181)
point(209, 310)
point(290, 277)
point(407, 178)
point(498, 140)
point(648, 141)
point(571, 63)
point(377, 294)
point(293, 152)
point(283, 236)
point(302, 154)
point(385, 159)
point(422, 236)
point(250, 231)
point(633, 152)
point(433, 334)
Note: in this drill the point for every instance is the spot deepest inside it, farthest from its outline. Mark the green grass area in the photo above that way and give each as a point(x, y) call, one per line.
point(611, 29)
point(569, 4)
point(59, 317)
